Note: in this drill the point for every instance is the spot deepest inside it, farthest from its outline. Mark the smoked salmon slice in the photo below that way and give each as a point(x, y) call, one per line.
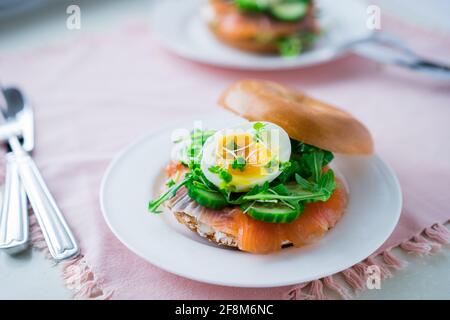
point(263, 237)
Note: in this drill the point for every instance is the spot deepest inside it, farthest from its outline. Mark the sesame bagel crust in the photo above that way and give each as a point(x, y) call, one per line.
point(304, 118)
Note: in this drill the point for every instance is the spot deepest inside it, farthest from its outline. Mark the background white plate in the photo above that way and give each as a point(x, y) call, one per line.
point(135, 176)
point(180, 28)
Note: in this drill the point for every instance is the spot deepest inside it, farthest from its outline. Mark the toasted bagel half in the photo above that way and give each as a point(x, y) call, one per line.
point(303, 117)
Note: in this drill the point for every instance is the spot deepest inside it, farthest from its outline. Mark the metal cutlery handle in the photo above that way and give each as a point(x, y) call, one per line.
point(8, 129)
point(386, 48)
point(14, 211)
point(59, 238)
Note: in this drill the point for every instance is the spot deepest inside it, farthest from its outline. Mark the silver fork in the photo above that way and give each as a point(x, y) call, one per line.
point(387, 48)
point(14, 233)
point(58, 236)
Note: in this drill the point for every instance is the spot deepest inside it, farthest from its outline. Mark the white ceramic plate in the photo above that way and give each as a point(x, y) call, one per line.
point(135, 177)
point(180, 27)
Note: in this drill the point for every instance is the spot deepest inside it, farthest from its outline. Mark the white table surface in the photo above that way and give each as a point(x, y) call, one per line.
point(31, 276)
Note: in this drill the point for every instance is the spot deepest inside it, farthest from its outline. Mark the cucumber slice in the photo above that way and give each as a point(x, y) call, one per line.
point(209, 199)
point(289, 11)
point(272, 212)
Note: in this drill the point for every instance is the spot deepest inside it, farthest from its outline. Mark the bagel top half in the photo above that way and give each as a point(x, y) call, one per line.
point(304, 118)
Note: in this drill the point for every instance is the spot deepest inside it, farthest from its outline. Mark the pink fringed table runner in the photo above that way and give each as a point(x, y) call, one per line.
point(96, 95)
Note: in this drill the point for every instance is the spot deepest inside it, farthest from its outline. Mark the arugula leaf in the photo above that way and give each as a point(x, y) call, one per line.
point(288, 169)
point(280, 189)
point(327, 182)
point(293, 45)
point(232, 199)
point(290, 46)
point(302, 182)
point(306, 156)
point(297, 195)
point(314, 162)
point(299, 148)
point(155, 204)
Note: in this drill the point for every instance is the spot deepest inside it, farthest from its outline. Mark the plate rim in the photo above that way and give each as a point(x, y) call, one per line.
point(327, 55)
point(148, 135)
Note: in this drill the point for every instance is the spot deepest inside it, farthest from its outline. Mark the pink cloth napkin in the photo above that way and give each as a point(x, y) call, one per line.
point(94, 96)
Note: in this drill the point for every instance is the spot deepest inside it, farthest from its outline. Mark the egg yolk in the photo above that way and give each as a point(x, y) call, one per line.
point(249, 155)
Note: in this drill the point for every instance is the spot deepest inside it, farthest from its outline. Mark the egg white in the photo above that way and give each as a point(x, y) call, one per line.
point(209, 155)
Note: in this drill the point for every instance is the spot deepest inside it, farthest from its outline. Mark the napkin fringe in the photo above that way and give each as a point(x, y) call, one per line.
point(352, 281)
point(79, 277)
point(341, 290)
point(77, 274)
point(346, 284)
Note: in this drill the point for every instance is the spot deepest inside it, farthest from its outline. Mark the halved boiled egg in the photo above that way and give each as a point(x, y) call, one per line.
point(244, 156)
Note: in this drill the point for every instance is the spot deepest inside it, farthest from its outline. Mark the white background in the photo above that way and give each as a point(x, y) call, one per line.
point(32, 276)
